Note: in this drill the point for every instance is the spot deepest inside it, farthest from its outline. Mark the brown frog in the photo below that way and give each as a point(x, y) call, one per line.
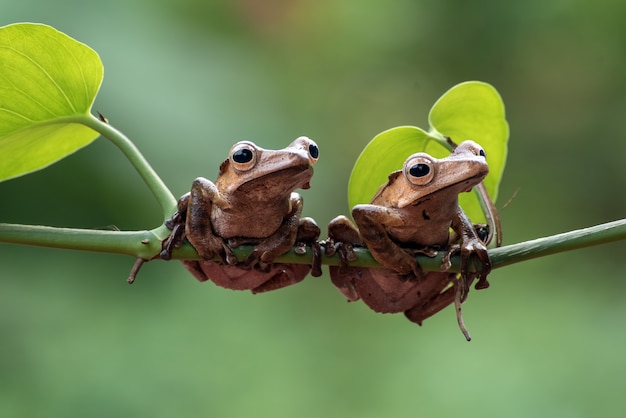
point(413, 213)
point(252, 202)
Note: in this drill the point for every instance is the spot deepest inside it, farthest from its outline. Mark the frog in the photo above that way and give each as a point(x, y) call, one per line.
point(415, 212)
point(252, 202)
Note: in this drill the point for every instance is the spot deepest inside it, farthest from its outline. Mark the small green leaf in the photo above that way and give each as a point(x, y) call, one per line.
point(471, 110)
point(381, 156)
point(48, 82)
point(474, 110)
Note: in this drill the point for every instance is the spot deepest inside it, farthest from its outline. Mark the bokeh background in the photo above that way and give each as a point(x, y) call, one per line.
point(184, 79)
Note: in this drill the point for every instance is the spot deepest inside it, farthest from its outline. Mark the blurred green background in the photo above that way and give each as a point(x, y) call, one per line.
point(185, 79)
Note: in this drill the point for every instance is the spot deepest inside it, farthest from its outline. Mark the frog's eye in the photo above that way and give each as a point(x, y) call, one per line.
point(243, 156)
point(419, 170)
point(471, 147)
point(314, 151)
point(309, 146)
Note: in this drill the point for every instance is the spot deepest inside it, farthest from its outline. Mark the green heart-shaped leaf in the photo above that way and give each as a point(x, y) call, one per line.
point(48, 82)
point(474, 110)
point(471, 110)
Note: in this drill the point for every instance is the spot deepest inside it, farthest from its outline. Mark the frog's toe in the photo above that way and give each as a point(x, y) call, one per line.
point(300, 248)
point(482, 283)
point(316, 264)
point(174, 240)
point(251, 260)
point(231, 259)
point(330, 248)
point(174, 220)
point(348, 252)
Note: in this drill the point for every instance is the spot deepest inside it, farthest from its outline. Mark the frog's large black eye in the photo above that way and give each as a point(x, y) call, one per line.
point(470, 147)
point(243, 156)
point(308, 145)
point(419, 169)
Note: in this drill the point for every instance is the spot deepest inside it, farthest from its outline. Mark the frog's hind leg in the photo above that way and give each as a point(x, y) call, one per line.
point(439, 295)
point(343, 236)
point(308, 234)
point(285, 275)
point(456, 294)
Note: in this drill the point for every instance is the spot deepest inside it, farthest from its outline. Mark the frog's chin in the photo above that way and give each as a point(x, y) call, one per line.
point(472, 182)
point(300, 179)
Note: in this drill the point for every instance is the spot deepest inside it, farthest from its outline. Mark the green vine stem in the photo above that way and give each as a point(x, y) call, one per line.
point(166, 199)
point(147, 244)
point(140, 244)
point(500, 257)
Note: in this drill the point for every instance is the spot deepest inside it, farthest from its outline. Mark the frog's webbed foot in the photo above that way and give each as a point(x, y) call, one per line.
point(406, 265)
point(469, 251)
point(373, 222)
point(222, 249)
point(266, 251)
point(343, 236)
point(346, 255)
point(414, 272)
point(211, 246)
point(283, 239)
point(255, 260)
point(174, 240)
point(476, 249)
point(308, 234)
point(446, 262)
point(345, 250)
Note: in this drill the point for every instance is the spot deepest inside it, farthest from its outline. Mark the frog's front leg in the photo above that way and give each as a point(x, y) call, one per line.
point(471, 245)
point(371, 220)
point(343, 236)
point(281, 241)
point(198, 228)
point(308, 234)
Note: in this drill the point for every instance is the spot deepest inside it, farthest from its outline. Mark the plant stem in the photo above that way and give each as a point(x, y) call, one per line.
point(147, 244)
point(567, 241)
point(166, 199)
point(141, 244)
point(500, 257)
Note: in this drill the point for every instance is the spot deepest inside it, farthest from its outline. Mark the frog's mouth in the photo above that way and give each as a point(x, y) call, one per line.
point(281, 181)
point(463, 186)
point(466, 185)
point(472, 182)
